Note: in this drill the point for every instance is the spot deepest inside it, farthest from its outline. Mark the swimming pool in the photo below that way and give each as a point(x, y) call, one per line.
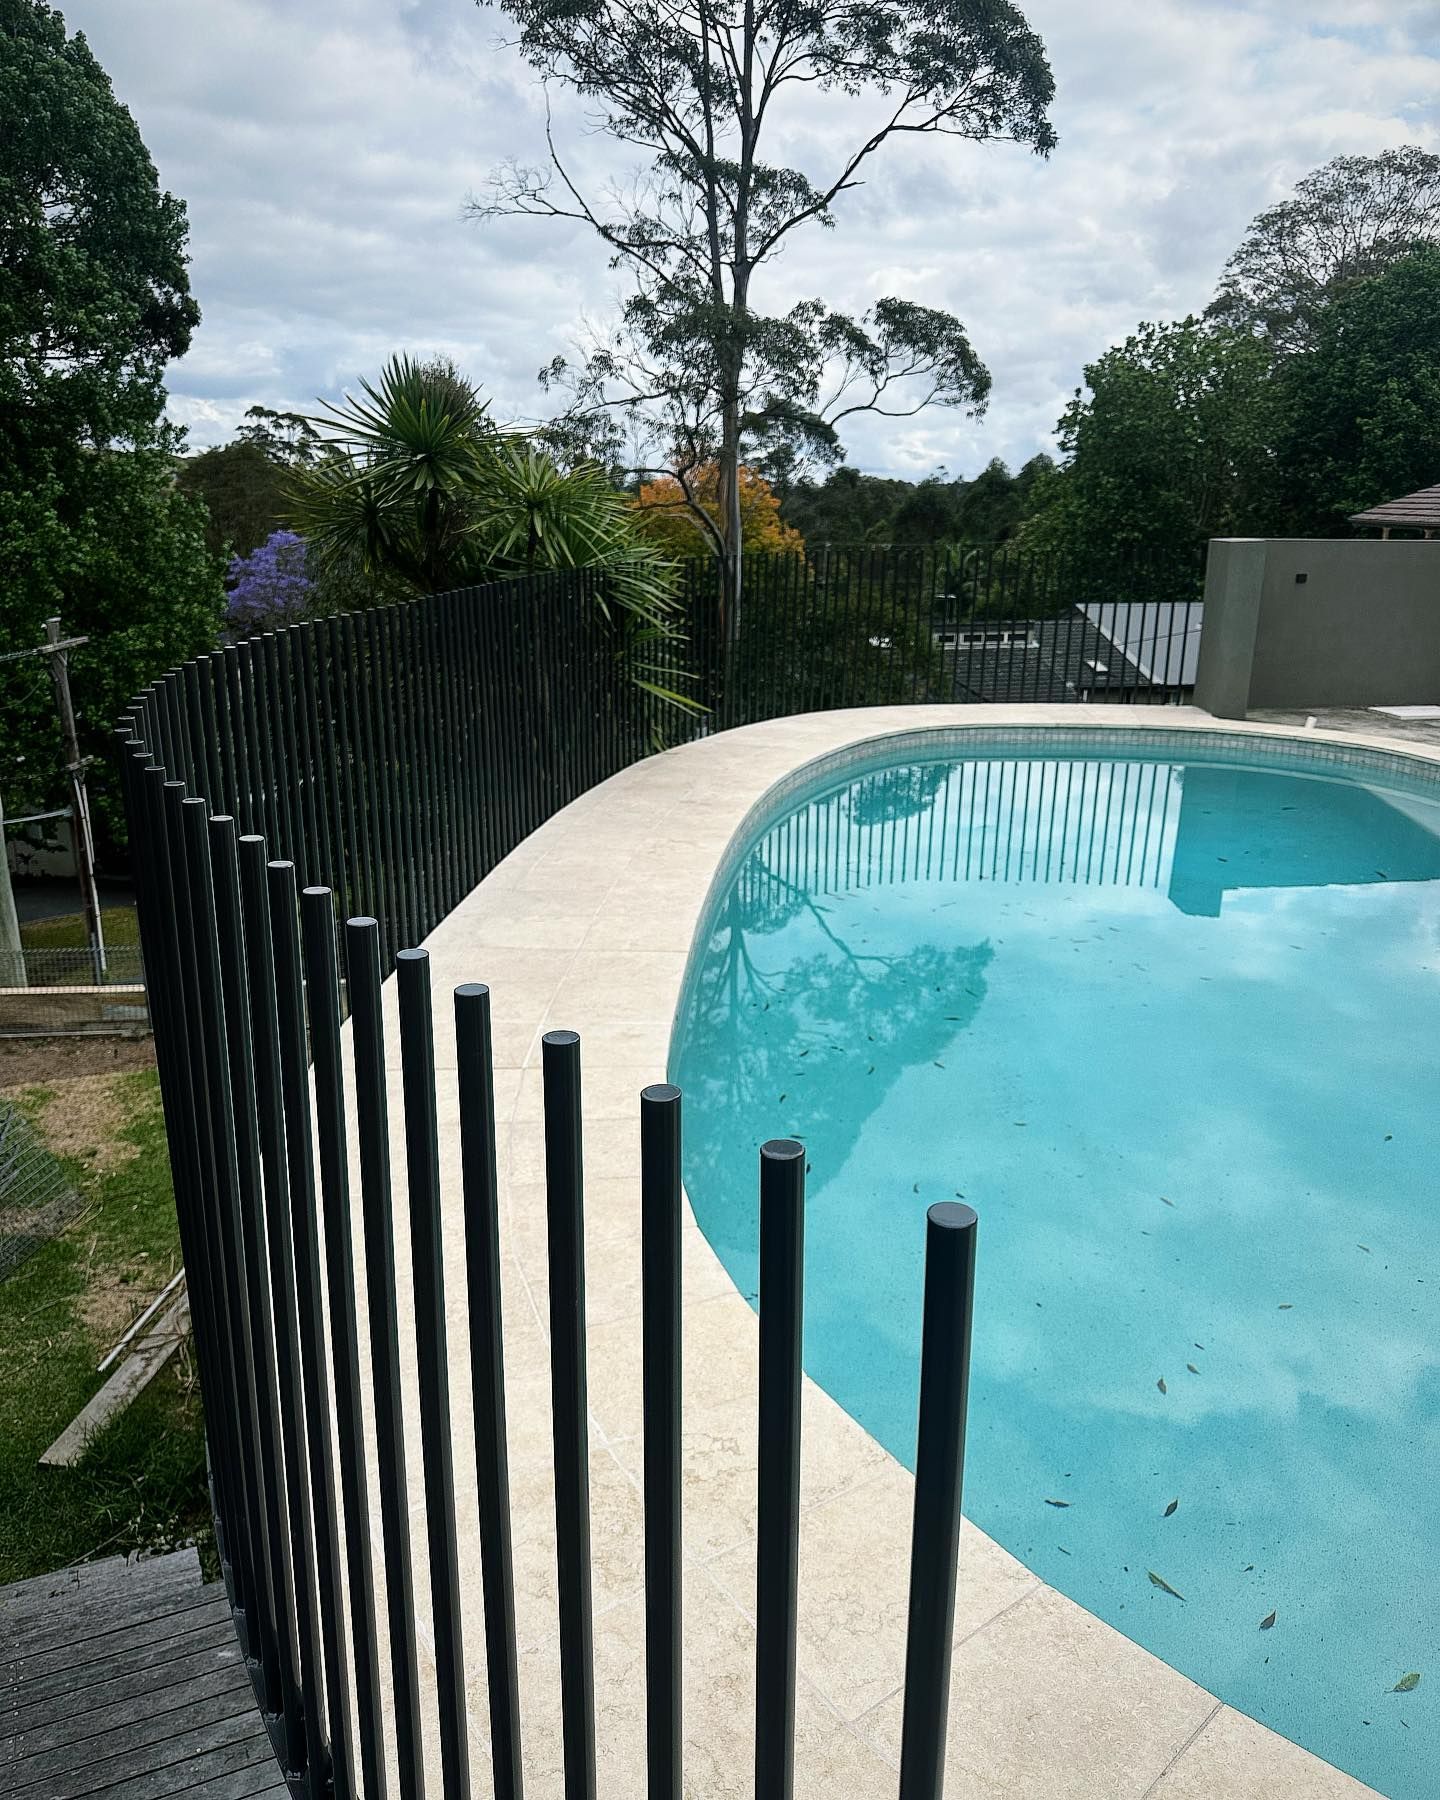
point(1169, 1022)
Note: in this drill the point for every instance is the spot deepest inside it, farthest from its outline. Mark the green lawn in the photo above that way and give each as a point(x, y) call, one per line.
point(142, 1484)
point(67, 930)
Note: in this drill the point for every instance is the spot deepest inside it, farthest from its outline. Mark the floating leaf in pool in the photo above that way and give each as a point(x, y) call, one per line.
point(1389, 1137)
point(1365, 1248)
point(1287, 1306)
point(1161, 1385)
point(939, 1064)
point(1407, 1684)
point(916, 1188)
point(1165, 1202)
point(1267, 1621)
point(1057, 1502)
point(1171, 1507)
point(1164, 1586)
point(1191, 1367)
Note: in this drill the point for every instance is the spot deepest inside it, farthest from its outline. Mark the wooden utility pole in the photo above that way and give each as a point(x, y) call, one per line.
point(12, 954)
point(75, 766)
point(54, 650)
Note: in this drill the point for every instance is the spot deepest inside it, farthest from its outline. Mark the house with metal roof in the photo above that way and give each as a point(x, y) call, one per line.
point(1110, 650)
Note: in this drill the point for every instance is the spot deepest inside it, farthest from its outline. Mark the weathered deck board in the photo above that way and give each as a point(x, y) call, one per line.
point(125, 1682)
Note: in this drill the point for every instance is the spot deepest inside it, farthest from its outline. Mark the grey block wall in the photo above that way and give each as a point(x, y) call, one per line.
point(1301, 622)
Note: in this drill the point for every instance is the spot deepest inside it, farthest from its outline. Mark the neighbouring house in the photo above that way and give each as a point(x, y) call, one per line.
point(1416, 515)
point(1106, 651)
point(1159, 638)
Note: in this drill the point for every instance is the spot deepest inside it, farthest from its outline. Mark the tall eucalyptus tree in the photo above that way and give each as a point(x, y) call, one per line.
point(706, 91)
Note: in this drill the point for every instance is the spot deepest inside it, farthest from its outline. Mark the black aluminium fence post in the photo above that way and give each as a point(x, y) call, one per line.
point(225, 1413)
point(322, 997)
point(660, 1212)
point(782, 1258)
point(228, 1209)
point(159, 882)
point(565, 1210)
point(304, 1223)
point(236, 976)
point(362, 944)
point(950, 1232)
point(270, 1121)
point(427, 1262)
point(475, 1065)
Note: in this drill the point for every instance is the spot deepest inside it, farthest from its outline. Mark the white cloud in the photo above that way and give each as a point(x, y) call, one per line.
point(325, 160)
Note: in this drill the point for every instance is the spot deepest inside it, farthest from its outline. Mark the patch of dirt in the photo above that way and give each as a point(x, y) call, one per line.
point(111, 1304)
point(41, 1062)
point(82, 1116)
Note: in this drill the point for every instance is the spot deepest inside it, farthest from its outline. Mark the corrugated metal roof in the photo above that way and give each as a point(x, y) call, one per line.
point(1420, 511)
point(1109, 647)
point(1161, 637)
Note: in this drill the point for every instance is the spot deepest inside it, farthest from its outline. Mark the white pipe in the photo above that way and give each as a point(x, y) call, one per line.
point(148, 1313)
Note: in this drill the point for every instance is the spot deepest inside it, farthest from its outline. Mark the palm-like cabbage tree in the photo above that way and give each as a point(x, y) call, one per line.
point(416, 482)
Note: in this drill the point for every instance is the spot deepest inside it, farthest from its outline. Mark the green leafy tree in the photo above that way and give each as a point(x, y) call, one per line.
point(930, 513)
point(996, 503)
point(1350, 219)
point(846, 508)
point(94, 300)
point(699, 371)
point(1362, 414)
point(245, 484)
point(1170, 445)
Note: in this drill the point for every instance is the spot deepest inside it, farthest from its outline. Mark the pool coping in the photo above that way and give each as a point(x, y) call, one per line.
point(588, 925)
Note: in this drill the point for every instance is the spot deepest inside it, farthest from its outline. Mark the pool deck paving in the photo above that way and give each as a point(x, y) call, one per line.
point(588, 926)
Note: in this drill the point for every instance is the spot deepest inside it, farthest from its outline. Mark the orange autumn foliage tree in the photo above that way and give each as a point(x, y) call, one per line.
point(667, 520)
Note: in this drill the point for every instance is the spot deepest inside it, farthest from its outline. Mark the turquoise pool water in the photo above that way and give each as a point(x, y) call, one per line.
point(1171, 1027)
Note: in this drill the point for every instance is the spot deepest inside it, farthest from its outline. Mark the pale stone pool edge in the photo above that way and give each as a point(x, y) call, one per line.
point(588, 925)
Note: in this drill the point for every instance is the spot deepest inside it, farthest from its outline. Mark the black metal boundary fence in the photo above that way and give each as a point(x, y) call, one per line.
point(379, 765)
point(974, 624)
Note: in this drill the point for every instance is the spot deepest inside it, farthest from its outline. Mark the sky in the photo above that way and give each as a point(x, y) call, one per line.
point(325, 154)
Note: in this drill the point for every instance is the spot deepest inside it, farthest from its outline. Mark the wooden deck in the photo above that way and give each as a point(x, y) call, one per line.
point(124, 1681)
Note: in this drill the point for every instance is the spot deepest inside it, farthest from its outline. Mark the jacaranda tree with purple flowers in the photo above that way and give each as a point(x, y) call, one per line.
point(271, 586)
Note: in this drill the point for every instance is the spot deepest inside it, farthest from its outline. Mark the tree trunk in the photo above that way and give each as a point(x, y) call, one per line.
point(732, 558)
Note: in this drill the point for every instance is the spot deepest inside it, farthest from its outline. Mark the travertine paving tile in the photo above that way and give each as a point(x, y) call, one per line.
point(1048, 1701)
point(1236, 1757)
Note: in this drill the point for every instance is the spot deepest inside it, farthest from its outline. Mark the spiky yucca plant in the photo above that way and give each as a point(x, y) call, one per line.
point(417, 483)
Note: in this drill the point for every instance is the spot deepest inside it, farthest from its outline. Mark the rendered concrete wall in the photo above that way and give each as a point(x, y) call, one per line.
point(1299, 622)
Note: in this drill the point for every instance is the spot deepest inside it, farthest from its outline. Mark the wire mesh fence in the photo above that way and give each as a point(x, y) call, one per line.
point(62, 992)
point(36, 1196)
